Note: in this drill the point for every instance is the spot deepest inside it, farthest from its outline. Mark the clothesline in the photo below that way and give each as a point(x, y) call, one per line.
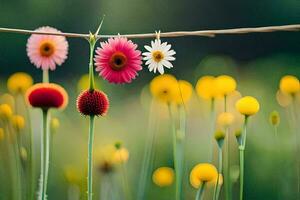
point(204, 33)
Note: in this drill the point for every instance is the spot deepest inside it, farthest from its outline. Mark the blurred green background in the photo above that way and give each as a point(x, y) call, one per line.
point(256, 61)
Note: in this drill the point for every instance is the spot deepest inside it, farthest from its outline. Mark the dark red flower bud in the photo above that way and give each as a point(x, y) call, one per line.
point(92, 103)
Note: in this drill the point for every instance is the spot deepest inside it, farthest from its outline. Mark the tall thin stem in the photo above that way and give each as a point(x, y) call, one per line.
point(92, 42)
point(200, 192)
point(90, 158)
point(220, 171)
point(212, 127)
point(242, 162)
point(45, 137)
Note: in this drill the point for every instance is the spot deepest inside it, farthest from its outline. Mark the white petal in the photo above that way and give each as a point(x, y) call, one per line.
point(147, 54)
point(148, 62)
point(148, 48)
point(167, 48)
point(161, 69)
point(171, 53)
point(170, 58)
point(167, 64)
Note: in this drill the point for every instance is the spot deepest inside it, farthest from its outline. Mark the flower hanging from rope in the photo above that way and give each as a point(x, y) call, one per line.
point(47, 51)
point(118, 61)
point(159, 56)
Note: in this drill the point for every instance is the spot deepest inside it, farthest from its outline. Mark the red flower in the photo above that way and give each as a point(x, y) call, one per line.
point(92, 103)
point(47, 95)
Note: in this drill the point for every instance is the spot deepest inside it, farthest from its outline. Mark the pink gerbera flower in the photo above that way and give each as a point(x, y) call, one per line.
point(118, 61)
point(47, 51)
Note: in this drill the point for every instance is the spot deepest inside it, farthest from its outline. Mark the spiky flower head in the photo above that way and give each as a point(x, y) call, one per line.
point(92, 103)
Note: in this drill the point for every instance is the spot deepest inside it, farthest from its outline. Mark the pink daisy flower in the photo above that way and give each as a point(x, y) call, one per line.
point(47, 51)
point(118, 61)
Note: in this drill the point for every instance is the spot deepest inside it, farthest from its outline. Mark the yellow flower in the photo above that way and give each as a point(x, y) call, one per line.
point(274, 118)
point(163, 176)
point(54, 124)
point(121, 155)
point(84, 83)
point(289, 84)
point(72, 175)
point(185, 91)
point(164, 88)
point(225, 119)
point(105, 158)
point(5, 112)
point(18, 122)
point(225, 84)
point(203, 172)
point(247, 106)
point(19, 82)
point(206, 88)
point(2, 136)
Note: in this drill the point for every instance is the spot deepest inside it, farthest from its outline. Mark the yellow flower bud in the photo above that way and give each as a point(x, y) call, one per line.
point(225, 119)
point(23, 154)
point(204, 172)
point(164, 88)
point(289, 84)
point(238, 133)
point(54, 124)
point(121, 155)
point(163, 176)
point(19, 82)
point(5, 112)
point(18, 122)
point(72, 175)
point(225, 84)
point(247, 106)
point(219, 135)
point(185, 91)
point(274, 118)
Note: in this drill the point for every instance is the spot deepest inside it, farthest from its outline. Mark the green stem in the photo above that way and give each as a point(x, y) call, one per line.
point(45, 148)
point(125, 182)
point(241, 150)
point(242, 162)
point(90, 158)
point(225, 103)
point(92, 42)
point(200, 192)
point(277, 180)
point(45, 76)
point(227, 171)
point(212, 121)
point(220, 170)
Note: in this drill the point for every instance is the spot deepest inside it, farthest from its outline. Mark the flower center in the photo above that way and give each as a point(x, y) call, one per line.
point(118, 60)
point(47, 49)
point(157, 56)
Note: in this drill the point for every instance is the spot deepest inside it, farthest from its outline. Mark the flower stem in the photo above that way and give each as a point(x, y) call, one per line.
point(92, 42)
point(227, 170)
point(44, 156)
point(200, 192)
point(242, 151)
point(149, 146)
point(177, 155)
point(220, 170)
point(125, 182)
point(90, 158)
point(45, 76)
point(212, 127)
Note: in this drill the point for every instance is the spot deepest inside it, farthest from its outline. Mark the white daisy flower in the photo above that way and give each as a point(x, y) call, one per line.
point(159, 56)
